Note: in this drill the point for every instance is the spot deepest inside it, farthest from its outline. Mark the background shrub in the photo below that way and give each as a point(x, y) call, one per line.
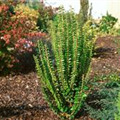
point(107, 23)
point(16, 36)
point(46, 13)
point(30, 14)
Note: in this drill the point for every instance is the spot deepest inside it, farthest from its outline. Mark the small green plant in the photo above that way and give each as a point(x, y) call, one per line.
point(117, 116)
point(106, 23)
point(63, 69)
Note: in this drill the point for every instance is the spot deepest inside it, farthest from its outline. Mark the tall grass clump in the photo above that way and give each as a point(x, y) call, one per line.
point(63, 69)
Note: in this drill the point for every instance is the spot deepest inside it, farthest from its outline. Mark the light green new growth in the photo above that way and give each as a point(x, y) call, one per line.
point(63, 71)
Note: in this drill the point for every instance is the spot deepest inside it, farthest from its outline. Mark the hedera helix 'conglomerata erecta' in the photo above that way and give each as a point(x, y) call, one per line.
point(63, 69)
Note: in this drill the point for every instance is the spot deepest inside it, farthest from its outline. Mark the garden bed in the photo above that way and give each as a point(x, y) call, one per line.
point(20, 94)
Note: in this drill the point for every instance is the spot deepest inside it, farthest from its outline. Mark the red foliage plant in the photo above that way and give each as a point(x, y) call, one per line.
point(15, 35)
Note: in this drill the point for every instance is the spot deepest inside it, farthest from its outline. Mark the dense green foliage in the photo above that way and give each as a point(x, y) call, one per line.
point(100, 103)
point(63, 73)
point(106, 23)
point(117, 115)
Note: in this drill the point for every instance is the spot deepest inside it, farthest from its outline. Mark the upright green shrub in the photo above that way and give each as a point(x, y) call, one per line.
point(63, 69)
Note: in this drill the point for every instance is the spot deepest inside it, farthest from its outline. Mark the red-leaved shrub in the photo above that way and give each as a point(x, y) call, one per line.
point(15, 35)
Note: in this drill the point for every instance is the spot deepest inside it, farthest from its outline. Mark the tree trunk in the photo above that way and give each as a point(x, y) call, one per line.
point(83, 13)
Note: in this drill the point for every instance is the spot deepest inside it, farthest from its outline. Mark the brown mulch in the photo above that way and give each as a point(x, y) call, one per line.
point(107, 57)
point(20, 94)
